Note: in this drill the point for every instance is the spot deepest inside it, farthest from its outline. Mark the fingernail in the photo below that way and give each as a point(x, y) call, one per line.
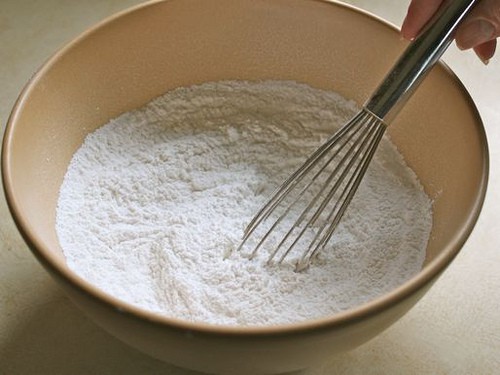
point(484, 60)
point(402, 38)
point(406, 38)
point(474, 33)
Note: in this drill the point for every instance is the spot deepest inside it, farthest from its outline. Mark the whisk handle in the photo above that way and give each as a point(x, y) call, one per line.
point(417, 60)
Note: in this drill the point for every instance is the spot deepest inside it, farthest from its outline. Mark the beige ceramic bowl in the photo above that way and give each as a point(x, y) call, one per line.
point(137, 55)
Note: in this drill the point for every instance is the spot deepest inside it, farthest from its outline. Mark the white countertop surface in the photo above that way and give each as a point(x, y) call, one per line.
point(455, 329)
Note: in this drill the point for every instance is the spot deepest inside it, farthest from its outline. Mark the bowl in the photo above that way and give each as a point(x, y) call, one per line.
point(137, 55)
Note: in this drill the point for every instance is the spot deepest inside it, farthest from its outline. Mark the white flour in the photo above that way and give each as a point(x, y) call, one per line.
point(153, 201)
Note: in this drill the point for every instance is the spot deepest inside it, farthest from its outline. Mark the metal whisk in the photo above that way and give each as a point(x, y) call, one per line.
point(309, 205)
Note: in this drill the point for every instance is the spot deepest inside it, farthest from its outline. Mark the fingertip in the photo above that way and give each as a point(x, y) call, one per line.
point(406, 35)
point(486, 51)
point(409, 29)
point(418, 14)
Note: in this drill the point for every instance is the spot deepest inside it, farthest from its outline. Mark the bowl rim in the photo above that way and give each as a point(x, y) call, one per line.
point(342, 319)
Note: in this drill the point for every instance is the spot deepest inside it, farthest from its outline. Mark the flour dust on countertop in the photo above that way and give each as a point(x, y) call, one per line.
point(155, 202)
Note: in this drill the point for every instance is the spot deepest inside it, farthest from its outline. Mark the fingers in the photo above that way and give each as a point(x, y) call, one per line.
point(481, 26)
point(478, 31)
point(419, 12)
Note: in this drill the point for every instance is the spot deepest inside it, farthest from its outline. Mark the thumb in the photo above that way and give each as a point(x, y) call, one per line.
point(481, 26)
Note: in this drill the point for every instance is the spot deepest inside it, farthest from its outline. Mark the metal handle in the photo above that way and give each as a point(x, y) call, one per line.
point(417, 60)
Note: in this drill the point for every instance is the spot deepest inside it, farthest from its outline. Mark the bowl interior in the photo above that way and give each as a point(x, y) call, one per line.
point(137, 56)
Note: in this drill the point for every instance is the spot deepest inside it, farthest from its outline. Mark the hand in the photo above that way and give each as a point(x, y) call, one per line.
point(478, 31)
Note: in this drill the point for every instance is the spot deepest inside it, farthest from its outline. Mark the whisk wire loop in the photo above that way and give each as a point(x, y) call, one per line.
point(317, 196)
point(334, 180)
point(297, 176)
point(347, 194)
point(291, 182)
point(343, 157)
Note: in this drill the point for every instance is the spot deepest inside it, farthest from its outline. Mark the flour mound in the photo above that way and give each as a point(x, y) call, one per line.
point(154, 204)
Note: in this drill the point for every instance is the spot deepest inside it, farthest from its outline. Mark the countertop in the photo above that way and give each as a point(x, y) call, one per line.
point(455, 329)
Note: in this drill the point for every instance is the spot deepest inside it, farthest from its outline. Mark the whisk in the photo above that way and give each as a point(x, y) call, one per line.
point(306, 209)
